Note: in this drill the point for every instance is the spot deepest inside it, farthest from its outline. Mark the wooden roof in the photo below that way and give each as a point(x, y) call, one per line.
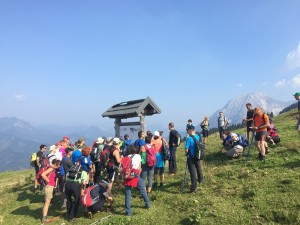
point(132, 108)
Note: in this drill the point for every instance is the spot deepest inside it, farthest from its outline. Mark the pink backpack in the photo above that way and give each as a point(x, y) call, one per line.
point(150, 155)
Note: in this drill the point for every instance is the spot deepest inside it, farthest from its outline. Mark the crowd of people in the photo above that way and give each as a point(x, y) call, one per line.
point(72, 167)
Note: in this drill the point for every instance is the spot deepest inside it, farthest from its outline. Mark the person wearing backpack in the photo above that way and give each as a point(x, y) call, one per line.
point(136, 181)
point(204, 126)
point(172, 146)
point(148, 156)
point(140, 142)
point(76, 180)
point(235, 148)
point(193, 162)
point(114, 161)
point(37, 164)
point(49, 176)
point(95, 196)
point(260, 125)
point(66, 164)
point(95, 157)
point(222, 124)
point(159, 168)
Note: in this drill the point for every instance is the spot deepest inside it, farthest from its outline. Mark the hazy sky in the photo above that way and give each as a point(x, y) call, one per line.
point(66, 62)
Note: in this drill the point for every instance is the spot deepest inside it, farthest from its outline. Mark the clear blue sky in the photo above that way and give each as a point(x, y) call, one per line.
point(66, 62)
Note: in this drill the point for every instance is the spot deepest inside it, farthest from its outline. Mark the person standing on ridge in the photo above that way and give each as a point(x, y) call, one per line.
point(297, 97)
point(204, 125)
point(249, 120)
point(260, 125)
point(222, 124)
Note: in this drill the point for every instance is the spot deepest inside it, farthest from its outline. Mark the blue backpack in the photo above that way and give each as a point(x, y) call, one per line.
point(61, 171)
point(243, 140)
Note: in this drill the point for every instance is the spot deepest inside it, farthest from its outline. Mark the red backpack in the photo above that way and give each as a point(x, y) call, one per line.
point(150, 155)
point(86, 198)
point(127, 170)
point(39, 177)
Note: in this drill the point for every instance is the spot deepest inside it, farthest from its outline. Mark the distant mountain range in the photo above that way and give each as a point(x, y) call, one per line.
point(19, 139)
point(235, 109)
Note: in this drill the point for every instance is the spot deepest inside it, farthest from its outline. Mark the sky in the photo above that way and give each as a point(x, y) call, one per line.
point(67, 62)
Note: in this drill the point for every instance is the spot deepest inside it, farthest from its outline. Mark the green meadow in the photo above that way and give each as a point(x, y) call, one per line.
point(234, 191)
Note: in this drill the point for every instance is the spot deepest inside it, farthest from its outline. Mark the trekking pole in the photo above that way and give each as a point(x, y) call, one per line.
point(185, 178)
point(250, 145)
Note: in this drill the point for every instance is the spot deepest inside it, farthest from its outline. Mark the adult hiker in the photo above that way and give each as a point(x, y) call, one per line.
point(193, 162)
point(260, 125)
point(234, 148)
point(101, 193)
point(97, 148)
point(134, 182)
point(189, 123)
point(159, 168)
point(37, 164)
point(49, 176)
point(140, 141)
point(204, 125)
point(172, 146)
point(222, 124)
point(148, 156)
point(114, 161)
point(249, 120)
point(66, 164)
point(297, 97)
point(76, 181)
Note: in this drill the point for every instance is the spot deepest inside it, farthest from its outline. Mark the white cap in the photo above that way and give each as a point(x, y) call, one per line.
point(99, 140)
point(116, 140)
point(156, 133)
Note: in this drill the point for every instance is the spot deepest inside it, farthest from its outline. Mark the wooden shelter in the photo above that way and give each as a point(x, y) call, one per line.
point(130, 109)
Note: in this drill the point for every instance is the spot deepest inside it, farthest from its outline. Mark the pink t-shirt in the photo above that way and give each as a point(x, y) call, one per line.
point(52, 176)
point(63, 152)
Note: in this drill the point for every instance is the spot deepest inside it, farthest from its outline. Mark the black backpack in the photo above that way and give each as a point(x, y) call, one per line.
point(200, 152)
point(74, 173)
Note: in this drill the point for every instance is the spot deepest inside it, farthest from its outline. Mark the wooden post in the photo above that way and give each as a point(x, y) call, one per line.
point(117, 127)
point(143, 123)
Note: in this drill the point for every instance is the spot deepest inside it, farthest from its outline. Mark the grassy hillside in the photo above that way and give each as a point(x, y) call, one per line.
point(234, 192)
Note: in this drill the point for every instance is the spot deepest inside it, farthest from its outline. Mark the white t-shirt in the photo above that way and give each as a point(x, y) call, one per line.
point(136, 161)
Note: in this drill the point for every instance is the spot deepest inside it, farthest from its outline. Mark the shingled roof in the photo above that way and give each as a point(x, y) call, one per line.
point(132, 108)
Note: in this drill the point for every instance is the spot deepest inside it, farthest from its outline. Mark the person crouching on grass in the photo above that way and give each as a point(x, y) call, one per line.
point(49, 177)
point(134, 182)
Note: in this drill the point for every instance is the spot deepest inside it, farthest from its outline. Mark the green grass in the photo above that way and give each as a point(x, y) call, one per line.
point(234, 191)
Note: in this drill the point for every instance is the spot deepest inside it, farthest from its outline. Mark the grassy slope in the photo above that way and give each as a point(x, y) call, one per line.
point(234, 192)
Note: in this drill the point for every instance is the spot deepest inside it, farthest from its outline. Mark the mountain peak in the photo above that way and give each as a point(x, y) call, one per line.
point(235, 109)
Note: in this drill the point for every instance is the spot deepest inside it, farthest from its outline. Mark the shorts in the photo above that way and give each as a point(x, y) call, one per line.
point(249, 129)
point(37, 169)
point(160, 170)
point(205, 133)
point(48, 192)
point(261, 136)
point(112, 172)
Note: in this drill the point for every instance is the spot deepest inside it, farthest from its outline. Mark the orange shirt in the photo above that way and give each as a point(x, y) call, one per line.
point(157, 144)
point(258, 121)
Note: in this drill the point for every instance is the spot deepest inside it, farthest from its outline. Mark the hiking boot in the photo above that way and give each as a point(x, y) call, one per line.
point(161, 184)
point(193, 191)
point(44, 219)
point(155, 185)
point(259, 156)
point(263, 158)
point(90, 215)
